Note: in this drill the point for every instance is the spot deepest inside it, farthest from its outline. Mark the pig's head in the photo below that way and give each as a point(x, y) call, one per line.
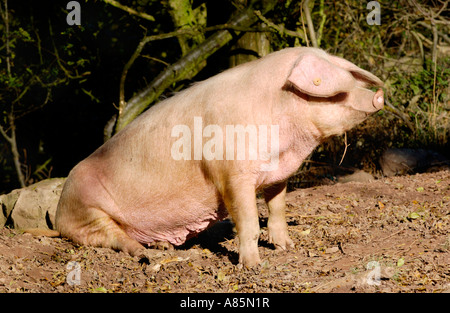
point(335, 91)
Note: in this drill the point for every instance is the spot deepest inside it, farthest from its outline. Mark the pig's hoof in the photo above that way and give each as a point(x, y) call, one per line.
point(249, 262)
point(142, 256)
point(281, 242)
point(161, 245)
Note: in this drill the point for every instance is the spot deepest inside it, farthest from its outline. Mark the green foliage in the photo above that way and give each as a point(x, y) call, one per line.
point(424, 97)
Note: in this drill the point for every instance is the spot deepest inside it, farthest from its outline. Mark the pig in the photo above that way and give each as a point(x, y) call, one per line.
point(152, 184)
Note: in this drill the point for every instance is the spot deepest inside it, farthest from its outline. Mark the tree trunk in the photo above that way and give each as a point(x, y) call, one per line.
point(16, 158)
point(184, 17)
point(250, 46)
point(11, 139)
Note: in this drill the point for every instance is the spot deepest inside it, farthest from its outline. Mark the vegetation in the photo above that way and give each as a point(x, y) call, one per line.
point(65, 88)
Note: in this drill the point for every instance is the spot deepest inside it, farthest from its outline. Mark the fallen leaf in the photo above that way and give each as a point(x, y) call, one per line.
point(156, 267)
point(100, 290)
point(305, 232)
point(413, 215)
point(175, 259)
point(400, 262)
point(221, 276)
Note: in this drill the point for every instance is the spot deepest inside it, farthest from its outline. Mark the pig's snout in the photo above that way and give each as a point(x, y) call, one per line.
point(378, 99)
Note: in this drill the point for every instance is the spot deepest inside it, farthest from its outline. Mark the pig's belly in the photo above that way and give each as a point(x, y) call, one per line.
point(174, 225)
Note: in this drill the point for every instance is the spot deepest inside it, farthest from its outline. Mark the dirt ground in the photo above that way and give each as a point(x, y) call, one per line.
point(388, 235)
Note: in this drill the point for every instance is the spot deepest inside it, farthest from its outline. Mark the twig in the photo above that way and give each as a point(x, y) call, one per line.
point(127, 66)
point(303, 25)
point(345, 150)
point(5, 135)
point(56, 54)
point(130, 10)
point(322, 23)
point(156, 60)
point(434, 56)
point(5, 17)
point(399, 114)
point(391, 235)
point(280, 28)
point(441, 34)
point(419, 41)
point(310, 24)
point(314, 216)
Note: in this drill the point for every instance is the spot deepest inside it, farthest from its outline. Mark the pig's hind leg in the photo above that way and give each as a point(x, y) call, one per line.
point(95, 228)
point(82, 214)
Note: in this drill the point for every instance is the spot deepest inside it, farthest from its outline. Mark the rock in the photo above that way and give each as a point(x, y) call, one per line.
point(409, 161)
point(358, 176)
point(33, 206)
point(7, 203)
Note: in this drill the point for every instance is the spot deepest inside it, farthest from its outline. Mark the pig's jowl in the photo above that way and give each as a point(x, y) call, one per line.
point(132, 193)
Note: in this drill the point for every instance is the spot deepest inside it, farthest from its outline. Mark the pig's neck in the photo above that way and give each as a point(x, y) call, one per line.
point(305, 140)
point(303, 136)
point(296, 143)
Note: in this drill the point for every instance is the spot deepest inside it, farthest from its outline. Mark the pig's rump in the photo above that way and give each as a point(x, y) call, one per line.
point(92, 205)
point(173, 214)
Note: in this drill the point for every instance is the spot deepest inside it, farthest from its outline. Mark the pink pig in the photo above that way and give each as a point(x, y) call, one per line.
point(180, 166)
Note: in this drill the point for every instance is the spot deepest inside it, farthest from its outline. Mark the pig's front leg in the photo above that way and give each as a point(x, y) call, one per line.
point(240, 199)
point(275, 197)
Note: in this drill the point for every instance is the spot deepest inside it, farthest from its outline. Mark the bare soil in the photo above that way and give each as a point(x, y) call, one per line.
point(388, 235)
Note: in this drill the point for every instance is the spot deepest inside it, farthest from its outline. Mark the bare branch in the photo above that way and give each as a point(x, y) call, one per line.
point(130, 10)
point(5, 135)
point(5, 17)
point(310, 24)
point(441, 34)
point(280, 28)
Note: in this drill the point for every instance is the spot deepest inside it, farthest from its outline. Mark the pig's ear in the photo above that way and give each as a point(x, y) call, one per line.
point(366, 77)
point(318, 77)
